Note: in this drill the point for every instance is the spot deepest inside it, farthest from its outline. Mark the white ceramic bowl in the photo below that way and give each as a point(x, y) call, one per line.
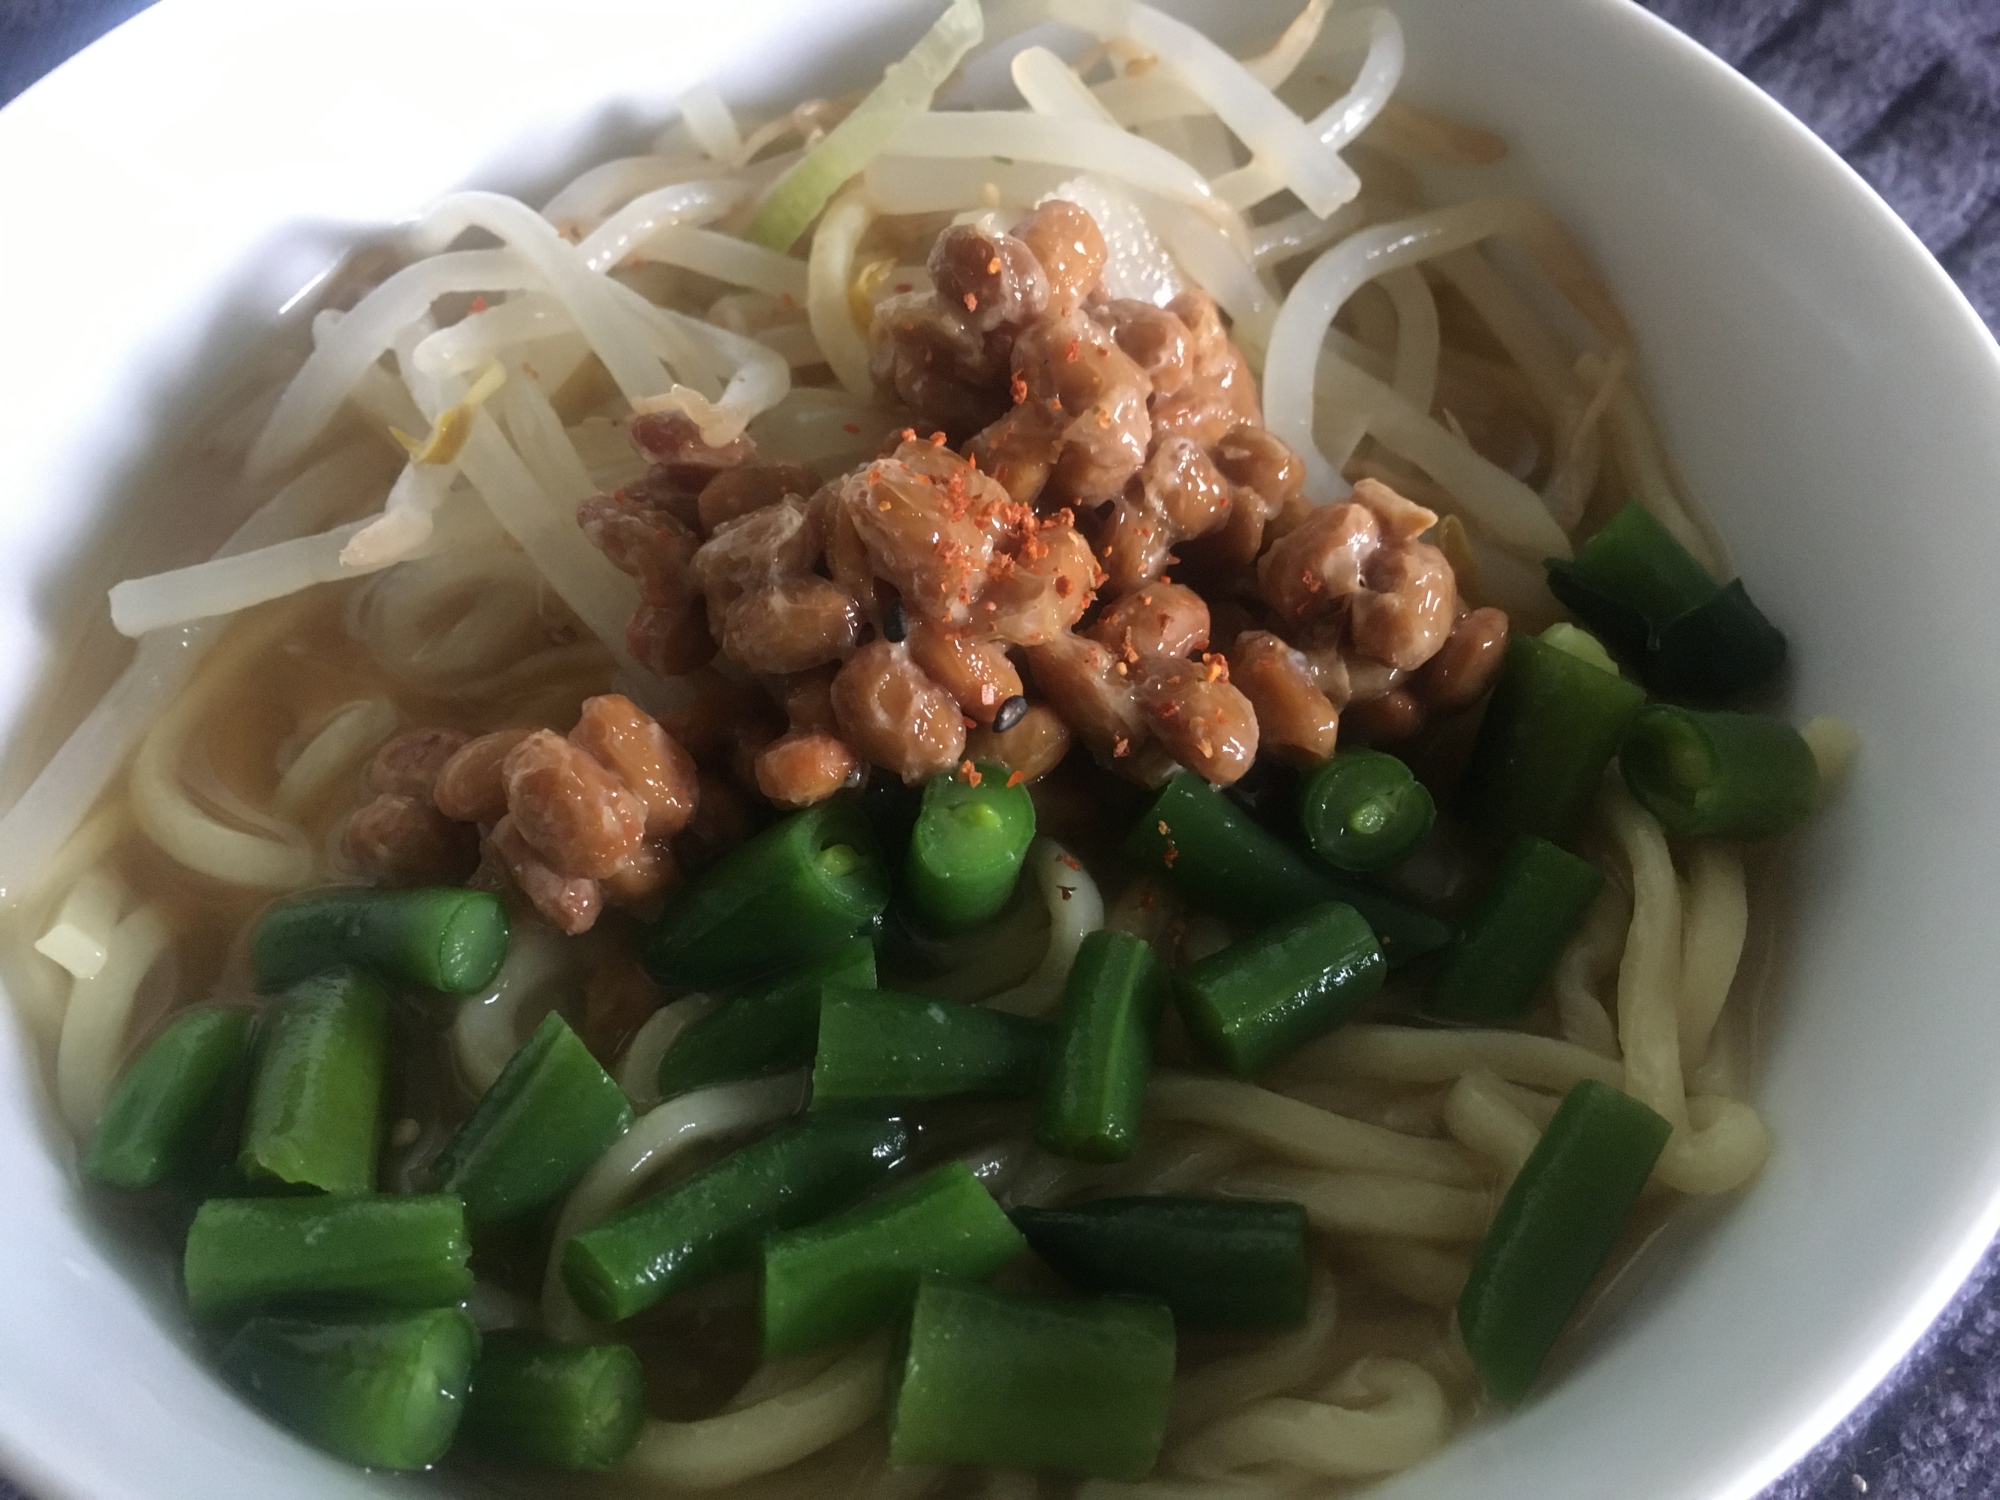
point(1826, 389)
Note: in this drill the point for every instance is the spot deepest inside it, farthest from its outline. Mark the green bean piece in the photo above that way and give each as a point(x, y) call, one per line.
point(535, 1132)
point(1033, 1383)
point(1512, 941)
point(246, 1253)
point(838, 1279)
point(1227, 863)
point(569, 1406)
point(1260, 998)
point(1719, 775)
point(550, 1113)
point(965, 853)
point(1635, 561)
point(876, 1045)
point(1552, 725)
point(384, 1390)
point(439, 937)
point(1685, 634)
point(315, 1112)
point(769, 1025)
point(1236, 1263)
point(172, 1100)
point(1722, 647)
point(715, 1220)
point(789, 894)
point(1220, 858)
point(1363, 810)
point(1555, 1229)
point(1103, 1046)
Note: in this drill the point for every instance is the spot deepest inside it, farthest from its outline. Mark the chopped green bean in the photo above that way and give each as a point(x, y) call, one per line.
point(766, 1026)
point(1512, 941)
point(715, 1220)
point(315, 1112)
point(1719, 775)
point(1236, 1263)
point(1257, 999)
point(245, 1253)
point(1220, 858)
point(966, 850)
point(1552, 725)
point(441, 938)
point(1226, 863)
point(172, 1100)
point(1103, 1047)
point(838, 1279)
point(1554, 1231)
point(1031, 1383)
point(570, 1406)
point(875, 1045)
point(790, 893)
point(547, 1117)
point(1363, 810)
point(1686, 634)
point(385, 1390)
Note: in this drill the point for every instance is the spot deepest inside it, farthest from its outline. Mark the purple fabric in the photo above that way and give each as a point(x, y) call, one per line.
point(1909, 92)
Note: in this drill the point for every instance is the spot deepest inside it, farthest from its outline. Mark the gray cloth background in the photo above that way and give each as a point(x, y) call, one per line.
point(1909, 92)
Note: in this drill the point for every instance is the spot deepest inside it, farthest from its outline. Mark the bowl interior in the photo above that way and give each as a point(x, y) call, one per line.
point(1819, 379)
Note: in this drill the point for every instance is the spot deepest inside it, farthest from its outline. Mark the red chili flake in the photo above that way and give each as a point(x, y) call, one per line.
point(1015, 778)
point(1064, 588)
point(1069, 354)
point(968, 773)
point(1018, 387)
point(1104, 351)
point(1120, 746)
point(786, 298)
point(904, 286)
point(1170, 856)
point(937, 441)
point(851, 427)
point(1067, 891)
point(479, 304)
point(971, 303)
point(909, 434)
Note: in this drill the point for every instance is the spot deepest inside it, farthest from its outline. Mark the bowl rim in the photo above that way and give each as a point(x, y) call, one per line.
point(1951, 1262)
